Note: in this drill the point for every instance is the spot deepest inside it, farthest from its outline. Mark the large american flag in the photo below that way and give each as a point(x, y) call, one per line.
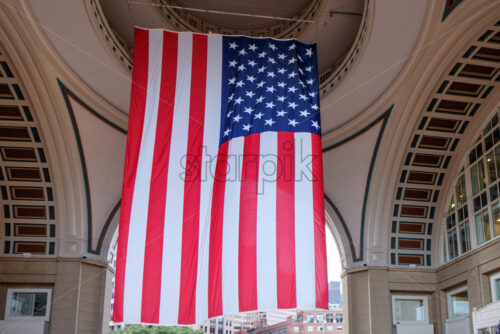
point(222, 203)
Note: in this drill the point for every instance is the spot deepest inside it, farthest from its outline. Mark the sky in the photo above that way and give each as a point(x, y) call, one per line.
point(333, 258)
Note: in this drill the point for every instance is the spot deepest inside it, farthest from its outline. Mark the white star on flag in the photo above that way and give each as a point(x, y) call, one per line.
point(270, 105)
point(281, 113)
point(258, 115)
point(269, 122)
point(304, 113)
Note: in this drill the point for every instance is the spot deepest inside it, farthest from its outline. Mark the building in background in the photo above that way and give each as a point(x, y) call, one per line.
point(334, 295)
point(308, 322)
point(278, 316)
point(236, 323)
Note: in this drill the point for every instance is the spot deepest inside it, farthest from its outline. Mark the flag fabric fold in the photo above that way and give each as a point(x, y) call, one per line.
point(222, 202)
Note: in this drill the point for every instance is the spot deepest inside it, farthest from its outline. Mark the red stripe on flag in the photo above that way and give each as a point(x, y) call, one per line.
point(135, 125)
point(247, 243)
point(285, 221)
point(215, 247)
point(151, 282)
point(319, 224)
point(191, 218)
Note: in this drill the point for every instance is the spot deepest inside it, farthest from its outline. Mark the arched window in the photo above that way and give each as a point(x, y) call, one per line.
point(473, 216)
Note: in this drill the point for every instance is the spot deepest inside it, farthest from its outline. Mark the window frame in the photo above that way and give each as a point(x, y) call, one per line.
point(10, 294)
point(450, 294)
point(481, 152)
point(411, 297)
point(494, 291)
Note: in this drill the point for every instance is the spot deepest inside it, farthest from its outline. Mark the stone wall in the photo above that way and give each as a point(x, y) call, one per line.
point(81, 291)
point(368, 290)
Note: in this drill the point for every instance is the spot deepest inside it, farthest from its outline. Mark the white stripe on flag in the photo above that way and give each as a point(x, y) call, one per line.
point(139, 211)
point(230, 227)
point(172, 240)
point(304, 223)
point(267, 294)
point(211, 147)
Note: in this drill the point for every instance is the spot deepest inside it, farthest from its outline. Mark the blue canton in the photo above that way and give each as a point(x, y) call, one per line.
point(268, 85)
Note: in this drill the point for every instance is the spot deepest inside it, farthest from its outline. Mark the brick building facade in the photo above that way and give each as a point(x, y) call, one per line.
point(308, 322)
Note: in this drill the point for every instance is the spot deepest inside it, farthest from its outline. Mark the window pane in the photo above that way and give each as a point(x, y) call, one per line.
point(497, 288)
point(488, 142)
point(409, 310)
point(477, 203)
point(319, 317)
point(494, 192)
point(472, 156)
point(464, 237)
point(483, 227)
point(40, 304)
point(479, 229)
point(452, 205)
point(496, 218)
point(490, 161)
point(480, 174)
point(22, 304)
point(460, 191)
point(474, 179)
point(484, 199)
point(460, 304)
point(497, 159)
point(452, 244)
point(444, 249)
point(27, 304)
point(486, 225)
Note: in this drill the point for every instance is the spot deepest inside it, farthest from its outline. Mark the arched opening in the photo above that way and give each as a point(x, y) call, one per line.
point(273, 321)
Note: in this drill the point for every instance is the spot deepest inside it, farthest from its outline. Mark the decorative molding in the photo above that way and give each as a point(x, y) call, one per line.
point(384, 119)
point(461, 94)
point(108, 222)
point(342, 222)
point(337, 71)
point(120, 49)
point(27, 194)
point(67, 93)
point(292, 28)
